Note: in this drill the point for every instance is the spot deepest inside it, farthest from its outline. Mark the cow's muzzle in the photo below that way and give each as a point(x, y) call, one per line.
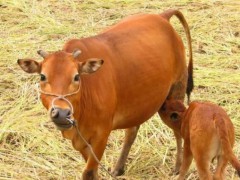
point(61, 118)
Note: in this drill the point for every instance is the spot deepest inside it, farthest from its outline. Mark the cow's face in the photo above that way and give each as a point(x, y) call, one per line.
point(60, 75)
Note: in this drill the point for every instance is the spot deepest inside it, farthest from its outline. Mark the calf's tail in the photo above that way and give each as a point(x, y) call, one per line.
point(226, 145)
point(167, 15)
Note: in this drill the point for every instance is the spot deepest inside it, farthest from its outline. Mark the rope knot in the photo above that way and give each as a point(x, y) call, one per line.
point(61, 96)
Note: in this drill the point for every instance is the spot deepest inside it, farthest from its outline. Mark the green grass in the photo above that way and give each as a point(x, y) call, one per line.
point(31, 147)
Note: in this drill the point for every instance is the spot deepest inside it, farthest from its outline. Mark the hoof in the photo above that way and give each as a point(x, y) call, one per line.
point(118, 172)
point(174, 172)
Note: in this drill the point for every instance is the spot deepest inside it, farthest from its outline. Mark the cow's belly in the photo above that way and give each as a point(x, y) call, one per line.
point(137, 109)
point(139, 115)
point(142, 87)
point(143, 84)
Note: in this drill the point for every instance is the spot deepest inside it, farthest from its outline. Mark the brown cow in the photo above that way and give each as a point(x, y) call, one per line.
point(144, 63)
point(208, 133)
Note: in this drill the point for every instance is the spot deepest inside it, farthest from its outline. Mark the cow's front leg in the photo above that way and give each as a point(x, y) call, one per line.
point(130, 135)
point(98, 144)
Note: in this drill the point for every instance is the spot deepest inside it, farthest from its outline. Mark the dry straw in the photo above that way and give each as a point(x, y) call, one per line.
point(30, 146)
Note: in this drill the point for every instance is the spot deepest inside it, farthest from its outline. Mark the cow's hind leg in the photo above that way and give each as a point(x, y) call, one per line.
point(179, 152)
point(177, 92)
point(178, 138)
point(130, 135)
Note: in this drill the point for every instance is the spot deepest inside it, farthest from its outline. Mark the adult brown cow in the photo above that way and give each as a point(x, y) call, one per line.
point(144, 63)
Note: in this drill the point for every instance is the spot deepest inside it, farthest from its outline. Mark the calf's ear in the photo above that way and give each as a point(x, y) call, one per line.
point(174, 116)
point(178, 106)
point(90, 66)
point(29, 65)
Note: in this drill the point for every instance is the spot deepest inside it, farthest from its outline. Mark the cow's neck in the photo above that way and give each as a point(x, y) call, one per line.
point(87, 103)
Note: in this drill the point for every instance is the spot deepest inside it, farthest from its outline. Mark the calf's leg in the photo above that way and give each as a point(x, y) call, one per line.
point(221, 165)
point(187, 160)
point(203, 169)
point(202, 157)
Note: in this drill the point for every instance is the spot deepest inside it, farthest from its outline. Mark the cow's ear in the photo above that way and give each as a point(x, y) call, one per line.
point(90, 66)
point(29, 65)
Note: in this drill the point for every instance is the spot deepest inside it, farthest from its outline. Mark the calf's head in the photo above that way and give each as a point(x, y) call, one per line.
point(60, 82)
point(172, 111)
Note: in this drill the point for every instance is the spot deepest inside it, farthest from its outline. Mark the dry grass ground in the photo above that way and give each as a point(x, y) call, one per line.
point(30, 146)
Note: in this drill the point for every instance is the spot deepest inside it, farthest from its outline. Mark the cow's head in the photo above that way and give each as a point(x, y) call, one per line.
point(172, 111)
point(60, 82)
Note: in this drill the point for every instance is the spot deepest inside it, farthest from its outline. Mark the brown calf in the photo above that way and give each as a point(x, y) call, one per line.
point(208, 133)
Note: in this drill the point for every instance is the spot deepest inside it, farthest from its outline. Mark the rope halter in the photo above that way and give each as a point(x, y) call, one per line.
point(72, 121)
point(61, 97)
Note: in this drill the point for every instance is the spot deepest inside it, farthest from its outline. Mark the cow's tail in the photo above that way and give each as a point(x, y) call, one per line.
point(225, 143)
point(167, 15)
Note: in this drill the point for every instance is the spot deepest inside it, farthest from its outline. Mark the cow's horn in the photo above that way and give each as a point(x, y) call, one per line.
point(42, 53)
point(76, 53)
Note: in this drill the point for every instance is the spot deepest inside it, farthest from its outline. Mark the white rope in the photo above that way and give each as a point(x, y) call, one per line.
point(65, 99)
point(58, 95)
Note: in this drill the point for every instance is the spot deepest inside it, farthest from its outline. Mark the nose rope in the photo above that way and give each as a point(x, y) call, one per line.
point(65, 99)
point(73, 122)
point(60, 97)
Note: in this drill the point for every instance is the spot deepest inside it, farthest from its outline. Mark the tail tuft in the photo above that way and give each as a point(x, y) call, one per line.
point(190, 85)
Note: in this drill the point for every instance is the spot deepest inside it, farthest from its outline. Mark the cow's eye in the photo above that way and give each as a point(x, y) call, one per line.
point(42, 77)
point(76, 77)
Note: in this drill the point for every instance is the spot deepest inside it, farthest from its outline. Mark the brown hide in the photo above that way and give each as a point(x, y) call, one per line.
point(208, 133)
point(143, 57)
point(144, 61)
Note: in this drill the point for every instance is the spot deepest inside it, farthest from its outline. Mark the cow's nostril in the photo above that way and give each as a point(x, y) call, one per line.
point(68, 113)
point(54, 113)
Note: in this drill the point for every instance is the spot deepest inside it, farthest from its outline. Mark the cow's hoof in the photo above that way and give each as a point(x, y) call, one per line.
point(174, 172)
point(118, 172)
